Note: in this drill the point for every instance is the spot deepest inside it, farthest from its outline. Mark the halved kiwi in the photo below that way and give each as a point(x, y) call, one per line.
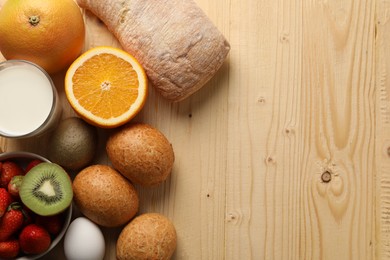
point(46, 189)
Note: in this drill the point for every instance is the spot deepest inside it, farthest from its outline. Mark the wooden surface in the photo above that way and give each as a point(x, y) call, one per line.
point(305, 91)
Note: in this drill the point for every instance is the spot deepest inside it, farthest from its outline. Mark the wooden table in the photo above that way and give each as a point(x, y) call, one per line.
point(285, 153)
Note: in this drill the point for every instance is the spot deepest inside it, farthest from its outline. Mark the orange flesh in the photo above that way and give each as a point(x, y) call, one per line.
point(106, 91)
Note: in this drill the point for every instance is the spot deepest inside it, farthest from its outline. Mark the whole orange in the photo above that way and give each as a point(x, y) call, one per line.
point(49, 33)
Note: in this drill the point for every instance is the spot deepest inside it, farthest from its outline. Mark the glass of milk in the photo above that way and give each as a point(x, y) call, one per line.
point(29, 103)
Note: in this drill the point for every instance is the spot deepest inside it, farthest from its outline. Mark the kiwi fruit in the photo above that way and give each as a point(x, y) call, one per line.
point(46, 189)
point(73, 144)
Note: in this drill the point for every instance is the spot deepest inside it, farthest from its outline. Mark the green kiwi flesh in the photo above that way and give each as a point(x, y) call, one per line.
point(46, 189)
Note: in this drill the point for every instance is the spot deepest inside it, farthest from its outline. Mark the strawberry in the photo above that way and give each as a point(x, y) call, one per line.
point(5, 200)
point(32, 163)
point(14, 185)
point(53, 224)
point(9, 249)
point(12, 221)
point(8, 170)
point(34, 239)
point(29, 215)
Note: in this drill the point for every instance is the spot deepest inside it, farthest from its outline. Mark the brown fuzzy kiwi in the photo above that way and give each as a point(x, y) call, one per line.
point(104, 196)
point(141, 153)
point(148, 236)
point(73, 144)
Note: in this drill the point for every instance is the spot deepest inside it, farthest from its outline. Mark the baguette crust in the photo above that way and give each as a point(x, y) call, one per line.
point(178, 46)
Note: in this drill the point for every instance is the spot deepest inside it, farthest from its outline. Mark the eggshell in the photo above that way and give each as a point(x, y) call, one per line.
point(84, 241)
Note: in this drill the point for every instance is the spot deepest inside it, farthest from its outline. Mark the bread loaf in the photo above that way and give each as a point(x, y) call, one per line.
point(174, 40)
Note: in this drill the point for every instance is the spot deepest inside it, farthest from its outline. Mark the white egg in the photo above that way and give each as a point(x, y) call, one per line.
point(84, 240)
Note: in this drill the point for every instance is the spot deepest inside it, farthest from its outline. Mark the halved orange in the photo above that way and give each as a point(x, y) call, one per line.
point(106, 86)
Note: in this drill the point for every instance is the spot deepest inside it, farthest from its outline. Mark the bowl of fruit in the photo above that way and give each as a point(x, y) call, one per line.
point(35, 205)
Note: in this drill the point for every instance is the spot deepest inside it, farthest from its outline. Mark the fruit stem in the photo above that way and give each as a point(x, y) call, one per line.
point(34, 20)
point(15, 205)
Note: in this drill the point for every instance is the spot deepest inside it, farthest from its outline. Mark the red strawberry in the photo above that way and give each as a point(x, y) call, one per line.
point(12, 221)
point(8, 170)
point(14, 185)
point(53, 224)
point(32, 163)
point(29, 215)
point(5, 200)
point(9, 249)
point(34, 239)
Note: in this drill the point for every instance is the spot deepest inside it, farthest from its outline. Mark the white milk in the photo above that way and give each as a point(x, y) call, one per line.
point(26, 100)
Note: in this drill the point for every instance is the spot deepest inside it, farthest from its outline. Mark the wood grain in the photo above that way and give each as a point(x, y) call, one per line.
point(305, 91)
point(338, 101)
point(382, 162)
